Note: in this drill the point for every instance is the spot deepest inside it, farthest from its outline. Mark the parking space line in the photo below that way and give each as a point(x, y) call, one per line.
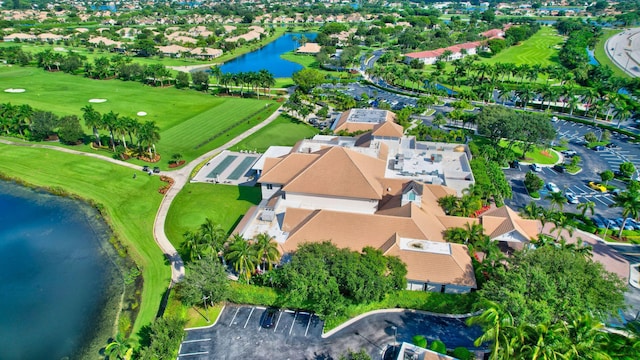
point(192, 341)
point(293, 323)
point(194, 353)
point(261, 308)
point(308, 323)
point(289, 311)
point(234, 317)
point(597, 198)
point(278, 322)
point(248, 318)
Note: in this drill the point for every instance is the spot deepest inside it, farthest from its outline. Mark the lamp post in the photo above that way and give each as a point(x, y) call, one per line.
point(395, 335)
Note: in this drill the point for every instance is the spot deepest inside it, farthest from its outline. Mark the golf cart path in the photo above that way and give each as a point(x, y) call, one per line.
point(180, 177)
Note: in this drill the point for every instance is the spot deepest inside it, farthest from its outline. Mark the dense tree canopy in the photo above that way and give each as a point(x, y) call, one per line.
point(554, 283)
point(206, 280)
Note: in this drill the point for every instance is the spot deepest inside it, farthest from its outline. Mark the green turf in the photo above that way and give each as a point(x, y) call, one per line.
point(224, 204)
point(601, 56)
point(538, 156)
point(284, 131)
point(538, 49)
point(130, 205)
point(186, 118)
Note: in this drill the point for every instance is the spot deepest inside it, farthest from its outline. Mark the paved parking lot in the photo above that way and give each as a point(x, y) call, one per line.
point(593, 163)
point(239, 334)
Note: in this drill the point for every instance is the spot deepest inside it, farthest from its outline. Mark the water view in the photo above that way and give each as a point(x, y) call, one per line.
point(59, 288)
point(268, 57)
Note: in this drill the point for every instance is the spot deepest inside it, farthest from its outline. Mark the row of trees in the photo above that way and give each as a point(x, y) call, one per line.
point(37, 125)
point(120, 128)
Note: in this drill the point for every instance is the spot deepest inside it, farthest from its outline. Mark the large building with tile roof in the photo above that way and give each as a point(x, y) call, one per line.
point(352, 192)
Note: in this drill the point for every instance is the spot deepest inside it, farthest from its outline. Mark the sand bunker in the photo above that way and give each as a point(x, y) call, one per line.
point(60, 49)
point(97, 100)
point(141, 113)
point(14, 90)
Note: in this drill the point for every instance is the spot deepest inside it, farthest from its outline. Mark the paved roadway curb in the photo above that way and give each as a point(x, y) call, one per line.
point(385, 311)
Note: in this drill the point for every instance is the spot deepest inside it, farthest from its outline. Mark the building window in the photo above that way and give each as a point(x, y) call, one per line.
point(269, 186)
point(411, 196)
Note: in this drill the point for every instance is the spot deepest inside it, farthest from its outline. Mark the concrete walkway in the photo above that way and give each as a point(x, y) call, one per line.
point(180, 176)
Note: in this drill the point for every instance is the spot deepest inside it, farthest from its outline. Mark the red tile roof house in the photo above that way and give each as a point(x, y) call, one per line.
point(459, 51)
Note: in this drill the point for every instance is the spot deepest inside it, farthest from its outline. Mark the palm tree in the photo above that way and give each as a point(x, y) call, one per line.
point(525, 93)
point(587, 206)
point(455, 235)
point(148, 135)
point(531, 210)
point(497, 325)
point(588, 338)
point(119, 348)
point(110, 121)
point(562, 222)
point(557, 200)
point(243, 257)
point(191, 244)
point(216, 72)
point(267, 251)
point(629, 201)
point(93, 119)
point(213, 235)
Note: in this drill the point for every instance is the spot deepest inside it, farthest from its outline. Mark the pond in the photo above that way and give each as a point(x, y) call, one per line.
point(268, 57)
point(59, 288)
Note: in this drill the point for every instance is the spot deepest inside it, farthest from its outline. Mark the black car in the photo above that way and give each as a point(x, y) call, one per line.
point(269, 317)
point(515, 164)
point(156, 169)
point(145, 168)
point(612, 146)
point(559, 168)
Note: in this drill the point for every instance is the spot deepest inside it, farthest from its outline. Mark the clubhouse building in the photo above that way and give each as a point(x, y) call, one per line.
point(378, 189)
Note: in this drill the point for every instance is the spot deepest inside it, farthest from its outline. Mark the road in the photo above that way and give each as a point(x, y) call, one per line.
point(624, 50)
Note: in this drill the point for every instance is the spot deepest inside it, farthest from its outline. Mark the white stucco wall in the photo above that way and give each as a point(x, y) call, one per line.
point(268, 193)
point(307, 201)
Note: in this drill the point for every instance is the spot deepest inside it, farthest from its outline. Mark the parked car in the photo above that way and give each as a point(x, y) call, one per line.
point(515, 164)
point(598, 148)
point(156, 169)
point(554, 119)
point(612, 146)
point(627, 225)
point(571, 198)
point(598, 222)
point(636, 225)
point(536, 167)
point(597, 187)
point(269, 317)
point(145, 168)
point(569, 153)
point(559, 168)
point(553, 187)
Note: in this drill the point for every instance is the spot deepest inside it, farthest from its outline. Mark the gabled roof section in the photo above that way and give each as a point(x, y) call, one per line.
point(413, 186)
point(282, 170)
point(388, 129)
point(339, 172)
point(502, 220)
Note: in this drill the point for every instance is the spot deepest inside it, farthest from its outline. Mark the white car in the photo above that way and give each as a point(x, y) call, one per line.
point(571, 198)
point(536, 167)
point(553, 187)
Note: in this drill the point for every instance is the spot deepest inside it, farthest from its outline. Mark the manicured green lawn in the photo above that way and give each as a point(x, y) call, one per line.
point(539, 156)
point(224, 204)
point(284, 131)
point(186, 118)
point(601, 55)
point(538, 49)
point(129, 204)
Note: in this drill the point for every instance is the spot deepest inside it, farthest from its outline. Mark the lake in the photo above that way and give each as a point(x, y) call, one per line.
point(268, 57)
point(59, 288)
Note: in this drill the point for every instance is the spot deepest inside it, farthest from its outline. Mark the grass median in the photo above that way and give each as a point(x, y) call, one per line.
point(283, 131)
point(129, 206)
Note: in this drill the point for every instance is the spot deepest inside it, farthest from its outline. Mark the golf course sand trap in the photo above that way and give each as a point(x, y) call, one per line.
point(97, 100)
point(60, 49)
point(141, 113)
point(14, 90)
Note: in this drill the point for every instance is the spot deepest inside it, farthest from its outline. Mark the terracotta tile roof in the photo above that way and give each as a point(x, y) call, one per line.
point(338, 171)
point(282, 170)
point(348, 120)
point(388, 129)
point(456, 268)
point(502, 220)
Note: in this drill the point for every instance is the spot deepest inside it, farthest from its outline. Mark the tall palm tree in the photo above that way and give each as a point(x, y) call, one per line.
point(531, 210)
point(562, 222)
point(191, 244)
point(588, 338)
point(213, 235)
point(266, 250)
point(243, 257)
point(148, 135)
point(110, 121)
point(587, 206)
point(497, 325)
point(93, 119)
point(629, 201)
point(557, 200)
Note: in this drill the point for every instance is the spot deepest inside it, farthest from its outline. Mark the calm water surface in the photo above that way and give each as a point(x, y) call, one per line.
point(57, 280)
point(268, 57)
